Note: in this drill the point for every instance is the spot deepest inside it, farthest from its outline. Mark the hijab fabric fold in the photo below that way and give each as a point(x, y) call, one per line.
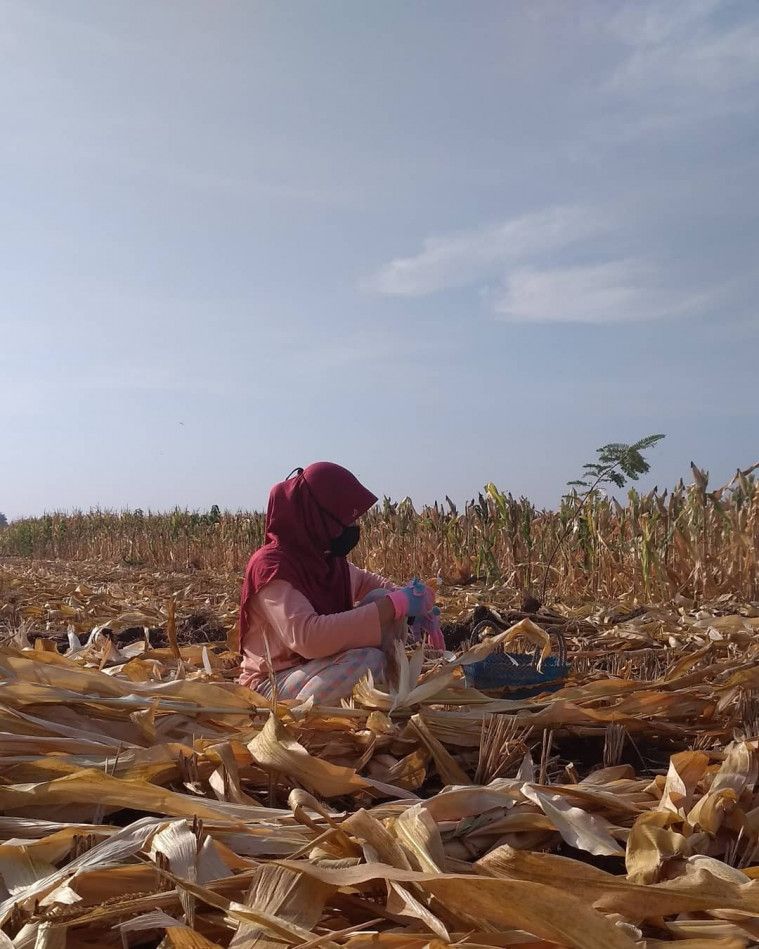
point(304, 514)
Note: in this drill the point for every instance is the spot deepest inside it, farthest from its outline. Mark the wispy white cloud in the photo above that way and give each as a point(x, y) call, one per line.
point(684, 50)
point(461, 258)
point(514, 264)
point(612, 292)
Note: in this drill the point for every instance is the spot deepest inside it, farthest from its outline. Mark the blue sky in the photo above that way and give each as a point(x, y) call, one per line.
point(439, 242)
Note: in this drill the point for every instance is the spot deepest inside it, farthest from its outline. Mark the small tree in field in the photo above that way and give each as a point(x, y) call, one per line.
point(3, 520)
point(616, 464)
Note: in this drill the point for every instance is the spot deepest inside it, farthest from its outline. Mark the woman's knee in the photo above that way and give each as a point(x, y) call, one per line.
point(375, 660)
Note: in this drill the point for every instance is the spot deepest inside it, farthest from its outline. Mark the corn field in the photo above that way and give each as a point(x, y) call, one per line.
point(690, 542)
point(146, 792)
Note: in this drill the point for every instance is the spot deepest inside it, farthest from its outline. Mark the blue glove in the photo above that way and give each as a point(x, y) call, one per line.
point(420, 598)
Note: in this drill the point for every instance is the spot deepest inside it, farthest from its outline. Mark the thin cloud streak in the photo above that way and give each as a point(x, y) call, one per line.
point(510, 260)
point(613, 292)
point(684, 68)
point(676, 46)
point(461, 258)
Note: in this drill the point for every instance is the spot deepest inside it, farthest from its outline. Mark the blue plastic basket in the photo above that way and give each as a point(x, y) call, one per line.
point(515, 675)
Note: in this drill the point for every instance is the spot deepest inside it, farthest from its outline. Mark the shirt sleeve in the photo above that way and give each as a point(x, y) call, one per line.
point(311, 635)
point(364, 581)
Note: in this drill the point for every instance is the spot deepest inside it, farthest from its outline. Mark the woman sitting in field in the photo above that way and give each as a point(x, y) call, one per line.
point(311, 622)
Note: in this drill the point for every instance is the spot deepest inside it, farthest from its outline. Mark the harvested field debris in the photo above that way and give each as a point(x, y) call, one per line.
point(149, 800)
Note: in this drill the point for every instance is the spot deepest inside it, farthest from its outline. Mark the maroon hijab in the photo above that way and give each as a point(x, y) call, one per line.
point(305, 513)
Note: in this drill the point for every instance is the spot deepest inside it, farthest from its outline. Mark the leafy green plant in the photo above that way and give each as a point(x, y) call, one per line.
point(617, 463)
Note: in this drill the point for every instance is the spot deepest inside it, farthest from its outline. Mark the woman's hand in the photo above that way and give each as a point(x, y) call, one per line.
point(415, 599)
point(392, 633)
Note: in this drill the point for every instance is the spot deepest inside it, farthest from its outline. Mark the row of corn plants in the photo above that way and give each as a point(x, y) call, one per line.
point(690, 541)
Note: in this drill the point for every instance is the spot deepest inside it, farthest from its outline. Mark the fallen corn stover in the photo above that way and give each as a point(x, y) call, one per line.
point(148, 798)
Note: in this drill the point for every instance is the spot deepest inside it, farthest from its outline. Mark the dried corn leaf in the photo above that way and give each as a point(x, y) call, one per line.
point(275, 749)
point(280, 893)
point(650, 845)
point(123, 728)
point(579, 829)
point(544, 911)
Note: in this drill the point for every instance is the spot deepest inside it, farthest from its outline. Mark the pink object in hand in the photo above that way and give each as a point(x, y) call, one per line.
point(436, 639)
point(429, 627)
point(433, 630)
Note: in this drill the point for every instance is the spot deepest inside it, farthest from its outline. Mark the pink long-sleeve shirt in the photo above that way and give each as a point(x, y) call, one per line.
point(283, 618)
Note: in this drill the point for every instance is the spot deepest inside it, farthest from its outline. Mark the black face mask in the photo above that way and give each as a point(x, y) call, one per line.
point(344, 543)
